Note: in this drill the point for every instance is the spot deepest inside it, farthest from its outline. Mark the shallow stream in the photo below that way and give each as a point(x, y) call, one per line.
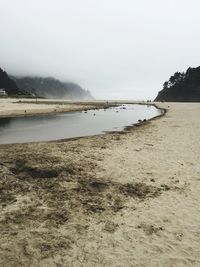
point(72, 124)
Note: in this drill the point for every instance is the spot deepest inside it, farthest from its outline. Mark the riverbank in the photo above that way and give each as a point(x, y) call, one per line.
point(10, 107)
point(15, 107)
point(129, 199)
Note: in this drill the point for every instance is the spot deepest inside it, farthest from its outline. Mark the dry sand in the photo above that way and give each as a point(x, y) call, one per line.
point(10, 107)
point(128, 199)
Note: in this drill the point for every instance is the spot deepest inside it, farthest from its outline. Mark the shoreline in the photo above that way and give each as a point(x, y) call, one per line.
point(96, 105)
point(10, 108)
point(116, 199)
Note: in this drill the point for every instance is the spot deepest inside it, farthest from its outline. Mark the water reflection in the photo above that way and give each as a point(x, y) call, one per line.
point(72, 124)
point(4, 122)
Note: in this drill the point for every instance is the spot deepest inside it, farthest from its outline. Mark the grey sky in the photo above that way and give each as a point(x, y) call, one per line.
point(115, 48)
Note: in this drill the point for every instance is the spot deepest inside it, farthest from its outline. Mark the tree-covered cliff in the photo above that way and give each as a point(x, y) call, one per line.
point(181, 87)
point(52, 88)
point(8, 84)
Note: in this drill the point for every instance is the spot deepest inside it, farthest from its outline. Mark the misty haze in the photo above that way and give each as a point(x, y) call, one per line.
point(114, 49)
point(99, 133)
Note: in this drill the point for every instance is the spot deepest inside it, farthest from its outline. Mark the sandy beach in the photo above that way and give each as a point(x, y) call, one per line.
point(121, 199)
point(12, 107)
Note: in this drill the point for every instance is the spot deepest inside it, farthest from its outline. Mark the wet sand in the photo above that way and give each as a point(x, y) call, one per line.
point(129, 199)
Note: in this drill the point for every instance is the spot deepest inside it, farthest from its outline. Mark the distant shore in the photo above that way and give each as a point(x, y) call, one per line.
point(27, 107)
point(11, 107)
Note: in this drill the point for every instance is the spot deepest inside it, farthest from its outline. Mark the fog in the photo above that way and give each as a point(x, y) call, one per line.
point(117, 49)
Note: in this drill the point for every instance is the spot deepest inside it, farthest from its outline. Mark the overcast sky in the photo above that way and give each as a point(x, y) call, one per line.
point(115, 48)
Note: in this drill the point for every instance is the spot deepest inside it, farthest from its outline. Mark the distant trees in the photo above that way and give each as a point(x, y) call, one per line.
point(42, 87)
point(174, 79)
point(52, 88)
point(182, 86)
point(8, 84)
